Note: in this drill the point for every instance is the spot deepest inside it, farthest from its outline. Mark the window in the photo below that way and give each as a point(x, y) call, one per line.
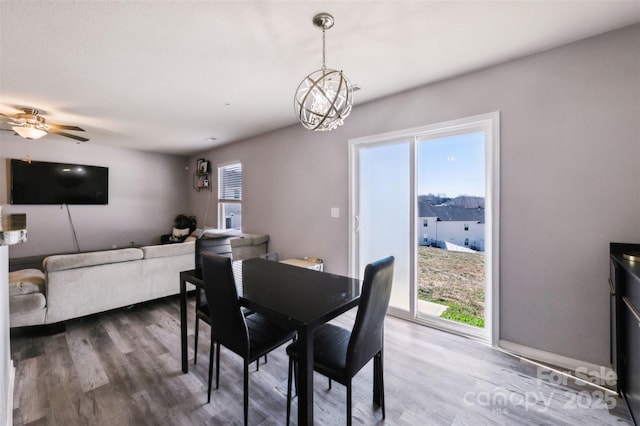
point(466, 242)
point(230, 196)
point(425, 223)
point(466, 226)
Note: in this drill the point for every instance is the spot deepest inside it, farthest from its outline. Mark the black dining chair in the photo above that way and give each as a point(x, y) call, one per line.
point(219, 246)
point(202, 314)
point(212, 245)
point(248, 336)
point(204, 245)
point(340, 354)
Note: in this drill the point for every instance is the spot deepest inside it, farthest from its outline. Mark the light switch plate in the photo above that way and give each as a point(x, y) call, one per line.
point(335, 211)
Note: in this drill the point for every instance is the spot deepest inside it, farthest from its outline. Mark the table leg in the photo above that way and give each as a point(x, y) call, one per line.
point(183, 324)
point(305, 377)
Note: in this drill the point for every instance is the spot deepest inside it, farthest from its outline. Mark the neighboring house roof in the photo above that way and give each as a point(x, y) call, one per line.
point(451, 213)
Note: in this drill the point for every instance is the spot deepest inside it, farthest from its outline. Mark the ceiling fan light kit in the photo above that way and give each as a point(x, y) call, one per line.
point(324, 98)
point(30, 125)
point(28, 131)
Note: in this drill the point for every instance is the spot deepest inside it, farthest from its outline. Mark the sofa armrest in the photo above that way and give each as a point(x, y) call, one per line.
point(249, 240)
point(248, 246)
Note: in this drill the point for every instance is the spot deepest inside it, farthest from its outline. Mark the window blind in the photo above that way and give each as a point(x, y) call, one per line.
point(230, 182)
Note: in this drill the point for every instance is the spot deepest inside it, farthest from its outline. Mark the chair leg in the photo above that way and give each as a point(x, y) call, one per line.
point(246, 392)
point(217, 365)
point(378, 382)
point(289, 390)
point(329, 383)
point(211, 355)
point(195, 342)
point(258, 363)
point(295, 378)
point(381, 383)
point(349, 403)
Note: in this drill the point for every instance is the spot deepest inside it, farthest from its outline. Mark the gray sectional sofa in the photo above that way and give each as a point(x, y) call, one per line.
point(75, 285)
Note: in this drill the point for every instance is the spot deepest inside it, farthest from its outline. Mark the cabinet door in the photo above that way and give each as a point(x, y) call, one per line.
point(612, 314)
point(631, 383)
point(617, 277)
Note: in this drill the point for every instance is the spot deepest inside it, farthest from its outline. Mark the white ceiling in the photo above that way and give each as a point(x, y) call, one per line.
point(165, 75)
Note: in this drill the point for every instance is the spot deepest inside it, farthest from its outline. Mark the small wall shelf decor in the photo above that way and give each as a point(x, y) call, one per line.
point(202, 176)
point(202, 166)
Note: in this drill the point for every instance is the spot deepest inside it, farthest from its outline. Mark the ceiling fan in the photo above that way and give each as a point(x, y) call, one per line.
point(30, 125)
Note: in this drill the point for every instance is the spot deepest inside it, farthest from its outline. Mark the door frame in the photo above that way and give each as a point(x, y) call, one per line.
point(490, 124)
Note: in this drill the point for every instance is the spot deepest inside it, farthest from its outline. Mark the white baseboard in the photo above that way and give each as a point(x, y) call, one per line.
point(9, 403)
point(598, 375)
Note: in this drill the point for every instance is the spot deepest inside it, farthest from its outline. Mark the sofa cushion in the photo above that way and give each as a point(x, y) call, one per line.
point(26, 302)
point(62, 262)
point(30, 317)
point(167, 250)
point(26, 281)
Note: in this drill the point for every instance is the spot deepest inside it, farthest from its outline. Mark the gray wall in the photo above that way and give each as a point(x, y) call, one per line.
point(146, 192)
point(570, 181)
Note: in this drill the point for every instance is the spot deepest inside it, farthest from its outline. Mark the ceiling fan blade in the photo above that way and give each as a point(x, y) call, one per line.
point(68, 135)
point(5, 117)
point(63, 127)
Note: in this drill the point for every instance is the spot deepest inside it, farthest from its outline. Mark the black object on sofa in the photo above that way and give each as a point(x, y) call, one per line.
point(183, 226)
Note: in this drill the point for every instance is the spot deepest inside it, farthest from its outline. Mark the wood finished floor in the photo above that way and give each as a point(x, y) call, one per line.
point(123, 368)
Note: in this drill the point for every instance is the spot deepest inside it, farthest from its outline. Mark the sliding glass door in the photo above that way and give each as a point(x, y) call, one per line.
point(429, 197)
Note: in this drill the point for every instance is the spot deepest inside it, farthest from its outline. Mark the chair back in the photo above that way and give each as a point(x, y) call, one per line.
point(228, 326)
point(211, 245)
point(220, 246)
point(368, 330)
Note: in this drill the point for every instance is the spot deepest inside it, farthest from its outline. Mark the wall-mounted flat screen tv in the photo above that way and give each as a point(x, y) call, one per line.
point(39, 182)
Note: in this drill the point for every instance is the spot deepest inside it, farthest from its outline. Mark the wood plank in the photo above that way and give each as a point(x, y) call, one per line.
point(85, 360)
point(123, 368)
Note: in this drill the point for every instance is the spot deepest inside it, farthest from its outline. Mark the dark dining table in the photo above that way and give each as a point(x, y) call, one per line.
point(302, 298)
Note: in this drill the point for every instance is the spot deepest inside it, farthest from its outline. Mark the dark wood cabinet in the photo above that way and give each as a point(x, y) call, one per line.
point(624, 286)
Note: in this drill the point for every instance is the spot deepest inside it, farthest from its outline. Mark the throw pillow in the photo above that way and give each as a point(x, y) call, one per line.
point(179, 234)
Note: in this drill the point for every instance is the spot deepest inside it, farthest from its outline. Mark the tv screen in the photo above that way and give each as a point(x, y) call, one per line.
point(40, 182)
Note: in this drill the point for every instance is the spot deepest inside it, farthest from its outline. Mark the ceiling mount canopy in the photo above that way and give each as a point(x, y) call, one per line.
point(324, 98)
point(323, 21)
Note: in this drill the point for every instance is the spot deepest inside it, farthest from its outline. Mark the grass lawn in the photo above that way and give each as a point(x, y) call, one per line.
point(453, 279)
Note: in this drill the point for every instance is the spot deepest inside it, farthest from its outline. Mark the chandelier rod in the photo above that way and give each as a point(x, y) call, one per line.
point(324, 67)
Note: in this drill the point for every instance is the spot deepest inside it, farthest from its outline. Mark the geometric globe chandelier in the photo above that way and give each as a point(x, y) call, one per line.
point(325, 97)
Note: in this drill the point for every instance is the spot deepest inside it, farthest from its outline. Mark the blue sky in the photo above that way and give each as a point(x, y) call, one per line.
point(452, 165)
